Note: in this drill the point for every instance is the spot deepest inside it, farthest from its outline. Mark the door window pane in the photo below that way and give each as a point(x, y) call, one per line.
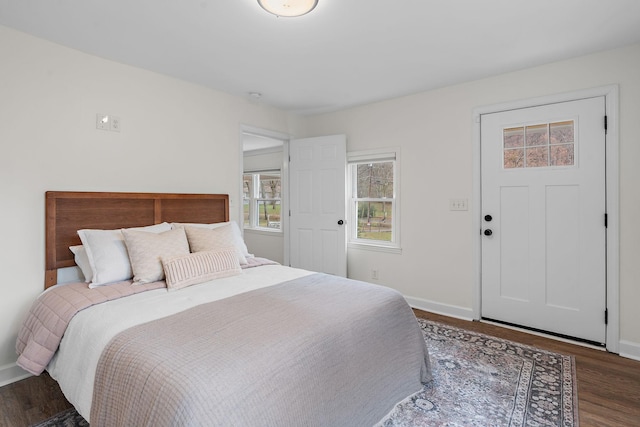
point(540, 145)
point(514, 158)
point(514, 137)
point(561, 132)
point(562, 155)
point(537, 157)
point(562, 143)
point(536, 135)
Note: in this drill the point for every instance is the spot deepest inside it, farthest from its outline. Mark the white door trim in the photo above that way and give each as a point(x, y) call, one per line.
point(611, 94)
point(284, 180)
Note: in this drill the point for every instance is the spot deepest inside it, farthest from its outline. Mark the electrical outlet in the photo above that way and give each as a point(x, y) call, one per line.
point(374, 274)
point(114, 123)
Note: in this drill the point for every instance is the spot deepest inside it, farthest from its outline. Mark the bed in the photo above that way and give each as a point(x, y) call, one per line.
point(247, 342)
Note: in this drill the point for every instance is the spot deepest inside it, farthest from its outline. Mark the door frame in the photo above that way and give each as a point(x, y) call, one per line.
point(611, 95)
point(284, 180)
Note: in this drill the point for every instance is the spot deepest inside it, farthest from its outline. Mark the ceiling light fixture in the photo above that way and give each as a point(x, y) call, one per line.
point(288, 8)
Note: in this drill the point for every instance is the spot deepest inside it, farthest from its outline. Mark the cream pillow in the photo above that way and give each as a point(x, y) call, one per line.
point(146, 251)
point(239, 243)
point(209, 239)
point(108, 255)
point(199, 267)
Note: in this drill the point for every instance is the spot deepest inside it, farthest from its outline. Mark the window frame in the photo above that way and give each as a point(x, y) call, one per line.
point(373, 156)
point(254, 200)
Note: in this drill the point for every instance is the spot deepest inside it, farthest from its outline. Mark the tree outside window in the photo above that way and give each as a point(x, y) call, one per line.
point(262, 200)
point(373, 201)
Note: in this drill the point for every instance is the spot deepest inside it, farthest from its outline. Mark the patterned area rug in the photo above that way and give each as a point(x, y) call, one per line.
point(479, 381)
point(482, 381)
point(68, 418)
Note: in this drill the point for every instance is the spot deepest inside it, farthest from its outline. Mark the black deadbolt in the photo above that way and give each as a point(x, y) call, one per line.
point(488, 218)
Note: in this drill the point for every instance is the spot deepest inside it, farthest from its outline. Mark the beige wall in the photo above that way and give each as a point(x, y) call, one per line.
point(179, 137)
point(176, 137)
point(434, 130)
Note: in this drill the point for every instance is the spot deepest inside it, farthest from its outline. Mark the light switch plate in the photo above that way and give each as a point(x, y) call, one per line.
point(458, 205)
point(102, 121)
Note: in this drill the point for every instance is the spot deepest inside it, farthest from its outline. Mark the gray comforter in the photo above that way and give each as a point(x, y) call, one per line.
point(316, 351)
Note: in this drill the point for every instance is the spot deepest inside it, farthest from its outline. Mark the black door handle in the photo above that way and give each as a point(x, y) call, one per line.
point(340, 222)
point(488, 232)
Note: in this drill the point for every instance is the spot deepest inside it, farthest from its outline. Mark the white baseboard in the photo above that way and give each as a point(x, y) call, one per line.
point(11, 373)
point(629, 350)
point(439, 308)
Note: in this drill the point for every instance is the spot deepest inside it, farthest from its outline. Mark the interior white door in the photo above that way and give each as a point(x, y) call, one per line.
point(317, 225)
point(543, 207)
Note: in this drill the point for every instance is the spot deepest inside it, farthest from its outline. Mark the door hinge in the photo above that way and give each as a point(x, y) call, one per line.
point(606, 126)
point(289, 212)
point(606, 220)
point(606, 316)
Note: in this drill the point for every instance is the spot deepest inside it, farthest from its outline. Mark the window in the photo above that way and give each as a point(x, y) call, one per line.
point(373, 198)
point(540, 145)
point(261, 200)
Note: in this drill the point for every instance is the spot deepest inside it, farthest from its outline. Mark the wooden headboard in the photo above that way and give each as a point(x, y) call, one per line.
point(67, 212)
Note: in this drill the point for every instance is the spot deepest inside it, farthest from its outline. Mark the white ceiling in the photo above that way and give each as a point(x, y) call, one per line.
point(252, 142)
point(342, 54)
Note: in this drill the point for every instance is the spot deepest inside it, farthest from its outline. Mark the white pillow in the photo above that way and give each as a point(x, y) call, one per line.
point(238, 241)
point(146, 250)
point(108, 254)
point(82, 261)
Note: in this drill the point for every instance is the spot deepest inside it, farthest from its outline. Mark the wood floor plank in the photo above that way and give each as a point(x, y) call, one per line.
point(31, 400)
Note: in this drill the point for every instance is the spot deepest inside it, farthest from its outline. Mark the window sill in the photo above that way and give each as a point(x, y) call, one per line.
point(264, 231)
point(375, 248)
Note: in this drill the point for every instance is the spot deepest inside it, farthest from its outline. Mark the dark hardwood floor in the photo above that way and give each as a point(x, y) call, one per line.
point(608, 385)
point(31, 400)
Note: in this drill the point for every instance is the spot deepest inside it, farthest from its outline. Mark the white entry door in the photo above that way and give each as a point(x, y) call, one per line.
point(543, 218)
point(317, 171)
